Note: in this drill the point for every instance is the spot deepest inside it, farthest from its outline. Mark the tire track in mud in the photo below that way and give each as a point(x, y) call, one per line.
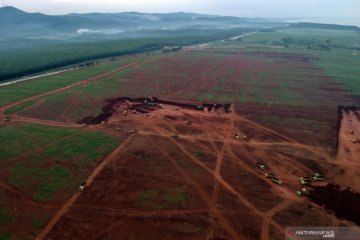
point(82, 82)
point(270, 214)
point(26, 199)
point(41, 148)
point(103, 232)
point(231, 231)
point(225, 184)
point(90, 179)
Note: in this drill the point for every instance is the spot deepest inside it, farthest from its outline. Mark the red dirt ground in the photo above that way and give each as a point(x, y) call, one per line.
point(158, 183)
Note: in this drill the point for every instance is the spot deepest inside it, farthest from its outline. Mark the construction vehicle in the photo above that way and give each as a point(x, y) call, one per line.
point(319, 177)
point(236, 136)
point(161, 106)
point(82, 186)
point(305, 180)
point(188, 122)
point(200, 107)
point(133, 130)
point(302, 192)
point(276, 180)
point(125, 112)
point(174, 135)
point(245, 138)
point(103, 122)
point(6, 119)
point(355, 141)
point(269, 175)
point(134, 111)
point(260, 165)
point(352, 132)
point(119, 128)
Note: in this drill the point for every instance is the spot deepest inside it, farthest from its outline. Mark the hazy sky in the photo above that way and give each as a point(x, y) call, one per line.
point(244, 8)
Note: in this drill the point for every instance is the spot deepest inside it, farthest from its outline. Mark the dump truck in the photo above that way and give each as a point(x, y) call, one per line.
point(269, 175)
point(302, 192)
point(82, 186)
point(188, 122)
point(124, 112)
point(305, 180)
point(236, 136)
point(6, 119)
point(319, 177)
point(245, 138)
point(133, 130)
point(119, 128)
point(103, 122)
point(276, 180)
point(174, 135)
point(260, 165)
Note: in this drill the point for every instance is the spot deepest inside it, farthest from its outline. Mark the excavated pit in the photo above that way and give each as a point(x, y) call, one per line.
point(146, 105)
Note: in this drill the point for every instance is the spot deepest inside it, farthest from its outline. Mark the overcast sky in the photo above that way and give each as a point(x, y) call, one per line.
point(243, 8)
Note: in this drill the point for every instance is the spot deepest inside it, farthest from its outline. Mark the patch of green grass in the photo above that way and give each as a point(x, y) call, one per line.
point(174, 198)
point(88, 146)
point(338, 62)
point(6, 215)
point(17, 139)
point(189, 166)
point(43, 183)
point(19, 91)
point(19, 107)
point(54, 179)
point(199, 154)
point(148, 195)
point(5, 236)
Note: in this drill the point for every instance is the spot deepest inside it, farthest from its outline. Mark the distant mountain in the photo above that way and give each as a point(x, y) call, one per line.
point(323, 26)
point(19, 24)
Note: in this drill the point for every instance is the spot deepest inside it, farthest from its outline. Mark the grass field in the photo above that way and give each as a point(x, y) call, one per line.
point(169, 169)
point(339, 61)
point(30, 88)
point(21, 138)
point(70, 161)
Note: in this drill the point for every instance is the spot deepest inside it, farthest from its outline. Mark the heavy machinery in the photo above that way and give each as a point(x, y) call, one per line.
point(276, 180)
point(269, 175)
point(82, 186)
point(236, 136)
point(302, 192)
point(119, 128)
point(174, 135)
point(133, 130)
point(188, 122)
point(260, 165)
point(305, 180)
point(319, 177)
point(103, 122)
point(6, 119)
point(246, 138)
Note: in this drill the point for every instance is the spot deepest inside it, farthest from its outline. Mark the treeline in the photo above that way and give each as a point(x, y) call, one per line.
point(17, 62)
point(323, 26)
point(311, 43)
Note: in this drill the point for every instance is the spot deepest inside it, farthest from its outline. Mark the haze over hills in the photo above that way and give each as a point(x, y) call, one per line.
point(17, 23)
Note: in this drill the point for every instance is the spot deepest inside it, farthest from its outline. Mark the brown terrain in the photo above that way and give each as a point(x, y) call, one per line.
point(189, 170)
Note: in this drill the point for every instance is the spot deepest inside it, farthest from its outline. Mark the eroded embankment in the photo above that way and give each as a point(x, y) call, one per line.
point(341, 110)
point(146, 105)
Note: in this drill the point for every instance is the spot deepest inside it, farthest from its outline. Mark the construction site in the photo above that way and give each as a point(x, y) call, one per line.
point(179, 164)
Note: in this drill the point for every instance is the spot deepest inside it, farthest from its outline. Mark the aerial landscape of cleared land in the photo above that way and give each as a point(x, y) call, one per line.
point(177, 145)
